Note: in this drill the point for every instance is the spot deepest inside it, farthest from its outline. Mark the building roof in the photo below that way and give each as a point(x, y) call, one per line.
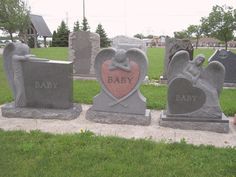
point(40, 25)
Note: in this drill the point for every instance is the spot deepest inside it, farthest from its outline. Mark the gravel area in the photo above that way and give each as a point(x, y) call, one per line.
point(153, 131)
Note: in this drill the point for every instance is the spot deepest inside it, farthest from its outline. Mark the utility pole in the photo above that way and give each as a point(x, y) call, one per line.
point(83, 9)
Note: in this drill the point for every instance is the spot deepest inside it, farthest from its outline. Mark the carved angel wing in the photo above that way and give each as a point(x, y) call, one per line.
point(7, 57)
point(177, 64)
point(214, 73)
point(138, 56)
point(104, 54)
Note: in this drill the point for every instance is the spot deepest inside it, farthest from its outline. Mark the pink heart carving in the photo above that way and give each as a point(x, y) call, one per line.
point(120, 82)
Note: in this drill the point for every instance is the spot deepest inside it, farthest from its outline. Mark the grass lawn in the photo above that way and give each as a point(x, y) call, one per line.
point(84, 91)
point(45, 155)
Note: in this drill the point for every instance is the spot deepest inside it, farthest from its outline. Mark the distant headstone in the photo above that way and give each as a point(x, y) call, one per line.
point(42, 88)
point(228, 59)
point(120, 74)
point(126, 43)
point(173, 45)
point(83, 48)
point(193, 95)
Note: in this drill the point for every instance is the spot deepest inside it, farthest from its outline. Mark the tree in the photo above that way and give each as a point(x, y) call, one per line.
point(181, 34)
point(104, 41)
point(14, 16)
point(222, 22)
point(195, 31)
point(85, 26)
point(61, 37)
point(76, 26)
point(140, 36)
point(54, 39)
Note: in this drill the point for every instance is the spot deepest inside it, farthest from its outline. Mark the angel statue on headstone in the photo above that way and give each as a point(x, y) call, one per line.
point(208, 80)
point(13, 55)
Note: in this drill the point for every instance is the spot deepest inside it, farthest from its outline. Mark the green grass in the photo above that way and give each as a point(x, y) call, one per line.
point(84, 91)
point(45, 155)
point(54, 53)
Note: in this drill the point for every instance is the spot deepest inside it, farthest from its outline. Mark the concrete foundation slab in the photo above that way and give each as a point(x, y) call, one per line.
point(10, 111)
point(214, 125)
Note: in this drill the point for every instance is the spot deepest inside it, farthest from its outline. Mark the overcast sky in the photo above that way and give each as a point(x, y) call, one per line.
point(127, 17)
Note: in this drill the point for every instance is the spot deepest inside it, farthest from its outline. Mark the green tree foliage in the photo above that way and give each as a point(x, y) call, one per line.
point(140, 36)
point(195, 31)
point(76, 26)
point(14, 17)
point(54, 39)
point(221, 23)
point(85, 26)
point(181, 34)
point(61, 37)
point(104, 41)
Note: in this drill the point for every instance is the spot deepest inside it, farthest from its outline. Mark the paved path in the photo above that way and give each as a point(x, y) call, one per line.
point(153, 131)
point(1, 51)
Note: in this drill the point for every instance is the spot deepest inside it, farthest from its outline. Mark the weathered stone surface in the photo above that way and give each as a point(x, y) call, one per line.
point(48, 84)
point(120, 73)
point(118, 118)
point(83, 48)
point(126, 43)
point(193, 94)
point(228, 59)
point(10, 111)
point(173, 45)
point(14, 54)
point(217, 125)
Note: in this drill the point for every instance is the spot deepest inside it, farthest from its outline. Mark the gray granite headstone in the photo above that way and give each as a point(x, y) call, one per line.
point(228, 59)
point(126, 43)
point(120, 74)
point(83, 48)
point(48, 84)
point(173, 45)
point(193, 95)
point(42, 88)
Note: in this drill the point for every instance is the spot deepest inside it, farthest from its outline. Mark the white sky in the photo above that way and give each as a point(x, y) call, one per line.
point(127, 17)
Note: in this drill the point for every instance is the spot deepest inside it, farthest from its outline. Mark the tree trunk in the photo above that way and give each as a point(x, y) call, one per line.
point(226, 44)
point(197, 42)
point(11, 36)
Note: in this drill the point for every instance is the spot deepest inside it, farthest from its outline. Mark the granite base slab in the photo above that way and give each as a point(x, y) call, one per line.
point(10, 111)
point(214, 125)
point(119, 118)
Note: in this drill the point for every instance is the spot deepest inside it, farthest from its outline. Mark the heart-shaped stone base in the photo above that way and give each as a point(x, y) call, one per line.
point(183, 97)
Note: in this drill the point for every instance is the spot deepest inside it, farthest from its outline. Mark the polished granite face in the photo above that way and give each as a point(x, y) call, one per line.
point(183, 97)
point(48, 84)
point(228, 59)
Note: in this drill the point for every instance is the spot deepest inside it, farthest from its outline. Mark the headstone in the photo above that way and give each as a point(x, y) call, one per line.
point(228, 59)
point(42, 88)
point(126, 43)
point(193, 95)
point(120, 74)
point(83, 48)
point(173, 45)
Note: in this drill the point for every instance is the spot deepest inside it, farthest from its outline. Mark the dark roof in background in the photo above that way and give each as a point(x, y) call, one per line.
point(40, 25)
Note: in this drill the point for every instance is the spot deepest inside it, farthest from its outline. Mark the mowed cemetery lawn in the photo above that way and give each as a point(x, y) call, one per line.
point(84, 91)
point(41, 154)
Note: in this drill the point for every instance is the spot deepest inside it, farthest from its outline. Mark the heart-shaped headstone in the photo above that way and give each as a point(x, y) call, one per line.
point(183, 97)
point(120, 82)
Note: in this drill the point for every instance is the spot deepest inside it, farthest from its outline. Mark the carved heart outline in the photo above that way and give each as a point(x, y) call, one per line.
point(185, 84)
point(135, 55)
